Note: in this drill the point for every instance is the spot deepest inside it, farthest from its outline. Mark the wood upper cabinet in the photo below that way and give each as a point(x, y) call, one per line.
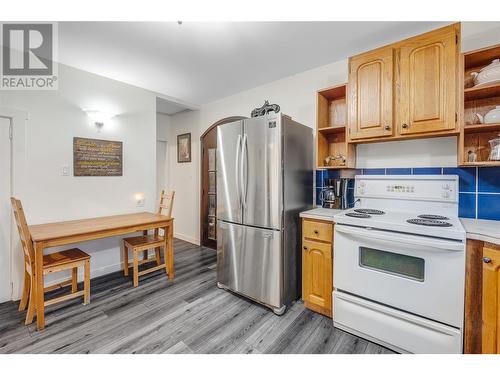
point(427, 82)
point(317, 265)
point(370, 94)
point(491, 300)
point(405, 90)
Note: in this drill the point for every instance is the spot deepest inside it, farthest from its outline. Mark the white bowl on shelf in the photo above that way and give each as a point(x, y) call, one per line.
point(489, 75)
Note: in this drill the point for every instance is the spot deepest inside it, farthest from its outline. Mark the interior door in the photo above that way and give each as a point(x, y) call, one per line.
point(229, 142)
point(262, 172)
point(427, 95)
point(5, 211)
point(370, 94)
point(248, 261)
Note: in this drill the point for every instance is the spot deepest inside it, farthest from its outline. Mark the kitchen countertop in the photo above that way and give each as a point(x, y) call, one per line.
point(477, 229)
point(482, 230)
point(320, 213)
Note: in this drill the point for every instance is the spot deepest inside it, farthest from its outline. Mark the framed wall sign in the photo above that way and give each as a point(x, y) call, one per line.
point(184, 148)
point(96, 157)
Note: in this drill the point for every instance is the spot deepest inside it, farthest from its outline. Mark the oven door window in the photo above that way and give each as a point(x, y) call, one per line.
point(393, 263)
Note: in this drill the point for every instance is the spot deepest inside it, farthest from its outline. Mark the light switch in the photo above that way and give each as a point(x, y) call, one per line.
point(65, 170)
point(141, 202)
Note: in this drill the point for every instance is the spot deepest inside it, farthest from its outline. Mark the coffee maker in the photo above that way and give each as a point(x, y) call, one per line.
point(335, 193)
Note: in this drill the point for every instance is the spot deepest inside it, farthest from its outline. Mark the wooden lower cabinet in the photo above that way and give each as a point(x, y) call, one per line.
point(482, 298)
point(491, 300)
point(317, 267)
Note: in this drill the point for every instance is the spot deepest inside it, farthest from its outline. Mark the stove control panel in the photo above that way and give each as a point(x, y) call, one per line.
point(400, 188)
point(442, 188)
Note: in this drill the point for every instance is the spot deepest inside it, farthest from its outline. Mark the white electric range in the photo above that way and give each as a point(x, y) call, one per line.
point(399, 263)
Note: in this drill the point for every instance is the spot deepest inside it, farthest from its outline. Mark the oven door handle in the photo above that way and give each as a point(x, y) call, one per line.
point(401, 238)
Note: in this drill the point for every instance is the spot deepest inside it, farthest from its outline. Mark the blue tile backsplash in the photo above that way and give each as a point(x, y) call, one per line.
point(398, 171)
point(479, 188)
point(489, 180)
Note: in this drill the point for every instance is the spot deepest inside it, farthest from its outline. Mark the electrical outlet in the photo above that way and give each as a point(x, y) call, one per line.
point(141, 202)
point(65, 170)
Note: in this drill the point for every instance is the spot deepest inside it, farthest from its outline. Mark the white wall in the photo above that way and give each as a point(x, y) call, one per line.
point(54, 118)
point(296, 96)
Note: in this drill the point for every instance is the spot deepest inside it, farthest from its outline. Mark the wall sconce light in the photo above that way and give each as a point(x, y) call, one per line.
point(99, 118)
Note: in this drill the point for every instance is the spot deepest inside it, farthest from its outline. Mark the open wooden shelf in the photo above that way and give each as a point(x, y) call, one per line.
point(481, 57)
point(481, 128)
point(331, 127)
point(475, 93)
point(492, 163)
point(475, 137)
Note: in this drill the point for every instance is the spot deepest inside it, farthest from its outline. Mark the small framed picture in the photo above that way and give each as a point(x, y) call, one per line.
point(184, 148)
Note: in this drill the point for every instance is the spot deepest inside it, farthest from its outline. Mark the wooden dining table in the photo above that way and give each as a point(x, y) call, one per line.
point(69, 232)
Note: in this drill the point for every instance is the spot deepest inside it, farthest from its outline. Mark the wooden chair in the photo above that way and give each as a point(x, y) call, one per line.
point(146, 242)
point(55, 262)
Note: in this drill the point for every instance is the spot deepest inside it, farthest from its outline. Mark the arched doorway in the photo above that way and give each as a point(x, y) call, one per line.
point(208, 188)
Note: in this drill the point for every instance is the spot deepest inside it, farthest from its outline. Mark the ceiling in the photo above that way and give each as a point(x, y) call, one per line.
point(200, 62)
point(169, 106)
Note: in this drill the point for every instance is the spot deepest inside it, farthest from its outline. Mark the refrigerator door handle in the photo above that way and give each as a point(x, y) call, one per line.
point(237, 169)
point(244, 171)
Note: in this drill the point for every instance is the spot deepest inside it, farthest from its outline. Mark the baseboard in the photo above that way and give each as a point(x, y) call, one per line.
point(195, 241)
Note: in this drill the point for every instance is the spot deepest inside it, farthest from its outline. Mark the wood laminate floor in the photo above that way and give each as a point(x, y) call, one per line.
point(187, 315)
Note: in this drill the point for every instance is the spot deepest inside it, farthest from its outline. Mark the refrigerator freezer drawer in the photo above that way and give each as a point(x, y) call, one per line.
point(393, 328)
point(249, 262)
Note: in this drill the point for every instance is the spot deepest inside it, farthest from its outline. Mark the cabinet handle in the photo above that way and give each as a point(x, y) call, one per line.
point(486, 260)
point(405, 126)
point(316, 232)
point(306, 248)
point(387, 127)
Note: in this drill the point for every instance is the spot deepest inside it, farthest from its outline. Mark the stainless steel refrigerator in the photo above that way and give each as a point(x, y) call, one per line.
point(264, 180)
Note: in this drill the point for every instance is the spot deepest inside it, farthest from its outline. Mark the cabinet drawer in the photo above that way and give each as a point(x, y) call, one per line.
point(317, 230)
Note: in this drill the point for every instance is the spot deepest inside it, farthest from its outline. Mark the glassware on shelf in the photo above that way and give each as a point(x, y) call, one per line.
point(472, 156)
point(495, 149)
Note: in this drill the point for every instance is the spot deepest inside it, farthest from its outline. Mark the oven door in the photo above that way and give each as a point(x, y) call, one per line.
point(418, 274)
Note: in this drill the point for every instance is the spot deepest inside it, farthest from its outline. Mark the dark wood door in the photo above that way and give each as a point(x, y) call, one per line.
point(209, 189)
point(208, 204)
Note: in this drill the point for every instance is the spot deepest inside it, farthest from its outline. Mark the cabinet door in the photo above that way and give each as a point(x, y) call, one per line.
point(426, 99)
point(370, 94)
point(491, 301)
point(317, 275)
